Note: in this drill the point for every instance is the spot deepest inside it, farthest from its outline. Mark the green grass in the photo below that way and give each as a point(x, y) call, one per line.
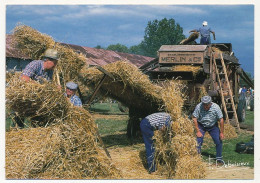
point(249, 118)
point(229, 154)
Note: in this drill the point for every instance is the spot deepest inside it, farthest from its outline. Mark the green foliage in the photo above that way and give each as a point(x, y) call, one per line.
point(118, 47)
point(99, 47)
point(158, 33)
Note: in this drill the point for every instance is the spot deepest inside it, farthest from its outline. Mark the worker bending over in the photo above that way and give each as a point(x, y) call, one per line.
point(156, 121)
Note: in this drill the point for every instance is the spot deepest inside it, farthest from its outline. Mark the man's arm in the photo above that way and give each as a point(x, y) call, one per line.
point(221, 129)
point(198, 133)
point(214, 37)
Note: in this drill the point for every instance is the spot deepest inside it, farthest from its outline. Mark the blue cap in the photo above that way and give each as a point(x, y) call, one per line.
point(206, 99)
point(71, 85)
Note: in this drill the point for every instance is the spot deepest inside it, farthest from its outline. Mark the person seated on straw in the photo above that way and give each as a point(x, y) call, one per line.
point(155, 121)
point(205, 117)
point(71, 89)
point(37, 70)
point(204, 33)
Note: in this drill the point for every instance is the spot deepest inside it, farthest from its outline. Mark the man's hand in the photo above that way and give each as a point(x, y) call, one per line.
point(221, 136)
point(199, 134)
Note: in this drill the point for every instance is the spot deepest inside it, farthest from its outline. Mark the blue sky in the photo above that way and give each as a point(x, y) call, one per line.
point(92, 25)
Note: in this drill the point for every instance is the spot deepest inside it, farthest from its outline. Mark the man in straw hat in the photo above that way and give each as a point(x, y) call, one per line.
point(38, 70)
point(155, 121)
point(71, 89)
point(204, 33)
point(206, 116)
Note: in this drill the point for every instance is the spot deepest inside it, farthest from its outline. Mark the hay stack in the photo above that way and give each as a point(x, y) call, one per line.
point(68, 150)
point(33, 43)
point(129, 86)
point(187, 68)
point(44, 102)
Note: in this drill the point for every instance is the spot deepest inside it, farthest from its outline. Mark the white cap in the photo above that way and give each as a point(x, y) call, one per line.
point(206, 99)
point(204, 23)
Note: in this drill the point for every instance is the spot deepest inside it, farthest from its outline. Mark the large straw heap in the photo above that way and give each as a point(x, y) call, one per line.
point(128, 86)
point(33, 43)
point(170, 148)
point(67, 149)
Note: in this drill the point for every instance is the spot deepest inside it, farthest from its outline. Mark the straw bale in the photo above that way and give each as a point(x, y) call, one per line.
point(34, 100)
point(68, 150)
point(33, 43)
point(194, 69)
point(190, 167)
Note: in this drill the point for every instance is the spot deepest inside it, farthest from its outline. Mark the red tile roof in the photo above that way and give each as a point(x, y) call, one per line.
point(94, 56)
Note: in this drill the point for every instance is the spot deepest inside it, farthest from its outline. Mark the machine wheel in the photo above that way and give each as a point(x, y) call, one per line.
point(241, 110)
point(132, 127)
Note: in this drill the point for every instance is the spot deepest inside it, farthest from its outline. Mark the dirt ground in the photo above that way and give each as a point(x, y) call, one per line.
point(130, 162)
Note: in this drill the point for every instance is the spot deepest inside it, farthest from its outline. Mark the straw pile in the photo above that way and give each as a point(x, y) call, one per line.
point(44, 102)
point(194, 69)
point(190, 39)
point(33, 43)
point(176, 148)
point(66, 149)
point(129, 86)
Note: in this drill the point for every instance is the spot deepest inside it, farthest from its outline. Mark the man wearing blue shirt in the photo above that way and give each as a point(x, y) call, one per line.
point(155, 121)
point(205, 117)
point(37, 70)
point(205, 33)
point(71, 89)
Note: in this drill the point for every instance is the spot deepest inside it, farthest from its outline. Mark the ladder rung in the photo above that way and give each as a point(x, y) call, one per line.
point(230, 111)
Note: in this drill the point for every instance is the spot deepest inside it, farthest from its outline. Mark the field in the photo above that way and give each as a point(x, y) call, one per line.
point(129, 155)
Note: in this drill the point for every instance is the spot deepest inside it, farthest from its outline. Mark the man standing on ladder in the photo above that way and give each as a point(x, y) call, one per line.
point(204, 33)
point(205, 118)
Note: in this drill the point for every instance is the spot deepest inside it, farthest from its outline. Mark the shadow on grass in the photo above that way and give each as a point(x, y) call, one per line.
point(206, 154)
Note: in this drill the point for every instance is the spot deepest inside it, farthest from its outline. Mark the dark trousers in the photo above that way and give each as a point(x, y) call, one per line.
point(148, 132)
point(205, 40)
point(214, 133)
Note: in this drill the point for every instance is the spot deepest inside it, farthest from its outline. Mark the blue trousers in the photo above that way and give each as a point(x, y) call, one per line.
point(205, 40)
point(214, 133)
point(148, 132)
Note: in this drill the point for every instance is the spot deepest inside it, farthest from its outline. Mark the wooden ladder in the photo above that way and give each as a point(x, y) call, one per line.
point(230, 94)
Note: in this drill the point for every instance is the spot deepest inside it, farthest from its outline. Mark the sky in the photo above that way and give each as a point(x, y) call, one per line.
point(92, 25)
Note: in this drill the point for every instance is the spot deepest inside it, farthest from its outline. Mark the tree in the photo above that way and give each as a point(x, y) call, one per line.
point(157, 33)
point(136, 49)
point(118, 47)
point(99, 47)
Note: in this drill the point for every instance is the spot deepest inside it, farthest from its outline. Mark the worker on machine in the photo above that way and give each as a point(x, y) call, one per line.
point(204, 33)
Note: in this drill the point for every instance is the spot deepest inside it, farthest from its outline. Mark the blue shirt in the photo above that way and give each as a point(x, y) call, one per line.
point(204, 31)
point(210, 117)
point(75, 100)
point(158, 120)
point(35, 71)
